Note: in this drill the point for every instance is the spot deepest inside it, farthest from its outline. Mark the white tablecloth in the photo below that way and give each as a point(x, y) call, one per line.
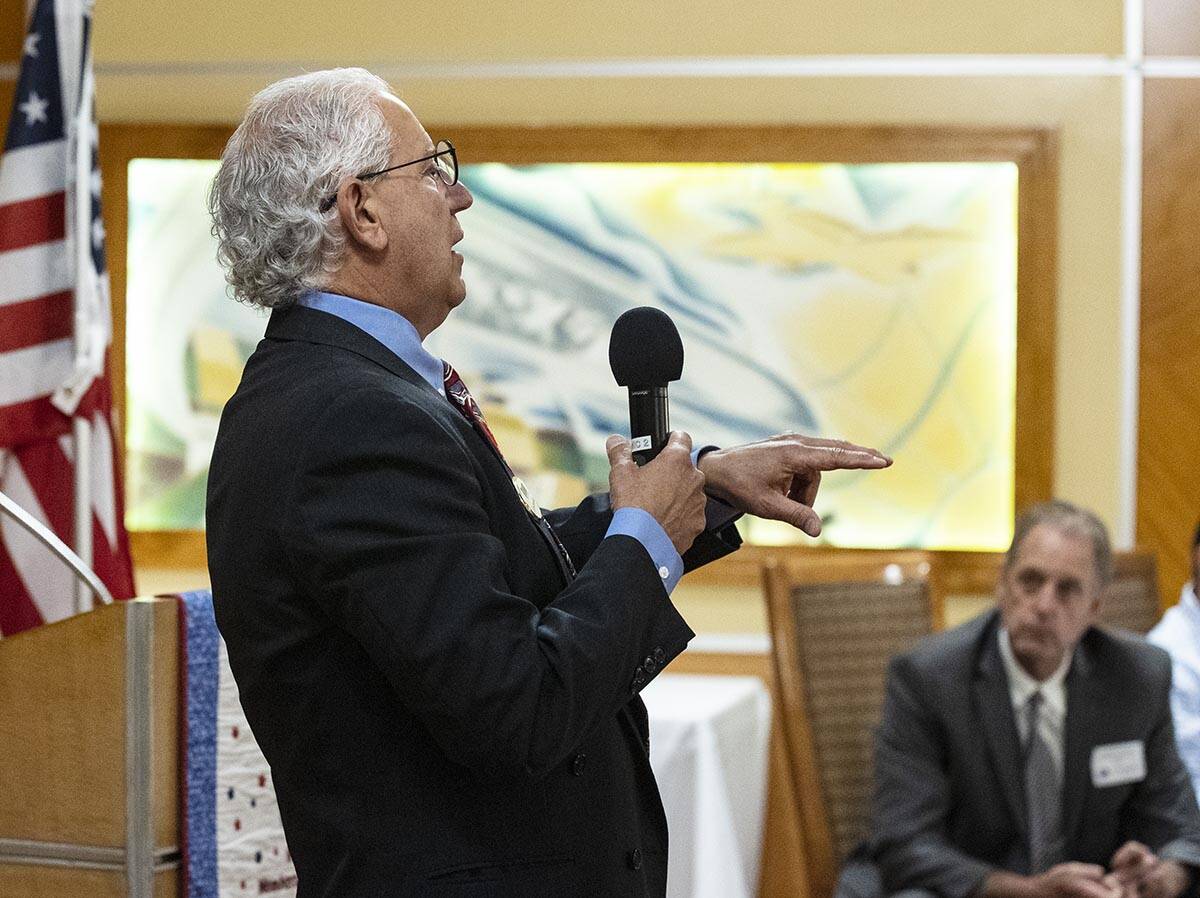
point(708, 748)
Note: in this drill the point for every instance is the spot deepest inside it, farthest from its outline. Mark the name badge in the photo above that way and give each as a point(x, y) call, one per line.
point(1118, 763)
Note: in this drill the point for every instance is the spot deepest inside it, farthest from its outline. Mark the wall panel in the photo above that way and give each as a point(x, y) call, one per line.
point(306, 35)
point(1169, 415)
point(1172, 28)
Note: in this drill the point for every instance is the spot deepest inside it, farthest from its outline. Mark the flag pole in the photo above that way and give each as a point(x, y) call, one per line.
point(83, 506)
point(78, 183)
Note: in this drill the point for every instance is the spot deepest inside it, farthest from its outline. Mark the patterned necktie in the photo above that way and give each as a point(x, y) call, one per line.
point(460, 397)
point(1043, 793)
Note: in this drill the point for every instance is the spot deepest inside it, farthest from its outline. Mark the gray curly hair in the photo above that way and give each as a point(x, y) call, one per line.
point(300, 138)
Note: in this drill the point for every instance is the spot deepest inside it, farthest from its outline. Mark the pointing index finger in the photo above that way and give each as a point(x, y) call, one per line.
point(837, 455)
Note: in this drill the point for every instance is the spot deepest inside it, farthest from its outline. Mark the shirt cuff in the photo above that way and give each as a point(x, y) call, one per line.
point(640, 524)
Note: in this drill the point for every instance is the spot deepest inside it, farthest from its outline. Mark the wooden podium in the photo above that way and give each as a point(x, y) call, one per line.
point(89, 755)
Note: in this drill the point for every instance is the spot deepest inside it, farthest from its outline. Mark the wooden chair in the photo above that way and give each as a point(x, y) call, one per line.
point(1132, 600)
point(835, 622)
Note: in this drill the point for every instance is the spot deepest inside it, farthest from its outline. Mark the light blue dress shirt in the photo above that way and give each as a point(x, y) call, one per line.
point(399, 335)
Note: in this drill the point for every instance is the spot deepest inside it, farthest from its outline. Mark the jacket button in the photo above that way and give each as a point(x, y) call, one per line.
point(577, 767)
point(659, 655)
point(635, 859)
point(639, 680)
point(650, 665)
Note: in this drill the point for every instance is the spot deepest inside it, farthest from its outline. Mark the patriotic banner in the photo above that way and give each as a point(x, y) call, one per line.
point(55, 324)
point(233, 842)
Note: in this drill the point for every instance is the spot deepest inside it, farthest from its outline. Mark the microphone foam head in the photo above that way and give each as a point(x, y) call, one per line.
point(644, 349)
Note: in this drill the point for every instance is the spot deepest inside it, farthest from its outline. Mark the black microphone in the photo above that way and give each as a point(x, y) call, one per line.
point(645, 354)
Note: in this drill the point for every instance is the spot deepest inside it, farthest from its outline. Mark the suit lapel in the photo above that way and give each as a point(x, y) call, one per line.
point(993, 706)
point(1082, 700)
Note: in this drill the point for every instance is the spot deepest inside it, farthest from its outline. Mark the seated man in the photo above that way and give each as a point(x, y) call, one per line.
point(1179, 633)
point(1028, 753)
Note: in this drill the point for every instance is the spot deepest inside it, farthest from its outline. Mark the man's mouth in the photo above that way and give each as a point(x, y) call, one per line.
point(1032, 634)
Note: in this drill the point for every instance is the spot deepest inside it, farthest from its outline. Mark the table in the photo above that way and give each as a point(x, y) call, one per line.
point(708, 747)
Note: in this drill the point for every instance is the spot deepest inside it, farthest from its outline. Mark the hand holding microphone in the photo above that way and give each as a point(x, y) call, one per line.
point(776, 478)
point(669, 488)
point(645, 354)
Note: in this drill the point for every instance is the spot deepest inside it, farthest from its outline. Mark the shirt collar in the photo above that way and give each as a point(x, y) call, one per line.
point(390, 328)
point(1021, 685)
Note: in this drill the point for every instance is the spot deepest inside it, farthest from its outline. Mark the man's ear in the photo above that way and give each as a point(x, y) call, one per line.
point(358, 209)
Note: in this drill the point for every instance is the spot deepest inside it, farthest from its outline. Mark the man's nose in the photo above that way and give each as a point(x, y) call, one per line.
point(1044, 600)
point(460, 197)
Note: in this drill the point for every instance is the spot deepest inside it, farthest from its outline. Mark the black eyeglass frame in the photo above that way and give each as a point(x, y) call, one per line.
point(327, 203)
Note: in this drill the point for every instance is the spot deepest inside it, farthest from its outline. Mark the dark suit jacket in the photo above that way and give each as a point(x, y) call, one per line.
point(443, 714)
point(949, 790)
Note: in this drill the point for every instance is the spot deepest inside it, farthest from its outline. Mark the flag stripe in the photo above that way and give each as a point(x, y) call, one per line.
point(51, 494)
point(34, 271)
point(36, 371)
point(33, 221)
point(17, 611)
point(103, 500)
point(34, 170)
point(27, 422)
point(48, 582)
point(41, 320)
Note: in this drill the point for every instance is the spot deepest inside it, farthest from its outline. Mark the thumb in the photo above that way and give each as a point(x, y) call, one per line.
point(617, 448)
point(777, 507)
point(680, 438)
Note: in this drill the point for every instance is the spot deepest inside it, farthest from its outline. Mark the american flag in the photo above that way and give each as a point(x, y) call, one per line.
point(55, 323)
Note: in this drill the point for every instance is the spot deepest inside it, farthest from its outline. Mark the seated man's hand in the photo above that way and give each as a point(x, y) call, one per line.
point(777, 478)
point(1144, 875)
point(1168, 879)
point(1070, 880)
point(1075, 880)
point(1130, 863)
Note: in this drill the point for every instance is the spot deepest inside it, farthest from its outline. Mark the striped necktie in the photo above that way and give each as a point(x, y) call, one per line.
point(460, 397)
point(1043, 793)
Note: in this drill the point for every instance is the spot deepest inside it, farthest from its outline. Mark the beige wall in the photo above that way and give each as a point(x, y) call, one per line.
point(201, 61)
point(382, 32)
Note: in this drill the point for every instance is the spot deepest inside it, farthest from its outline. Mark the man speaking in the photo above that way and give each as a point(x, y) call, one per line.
point(443, 678)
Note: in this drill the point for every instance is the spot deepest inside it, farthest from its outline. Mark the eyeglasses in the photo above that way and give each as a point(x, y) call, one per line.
point(445, 159)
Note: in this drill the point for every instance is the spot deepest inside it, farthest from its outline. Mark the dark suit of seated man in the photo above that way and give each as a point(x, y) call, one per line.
point(1027, 753)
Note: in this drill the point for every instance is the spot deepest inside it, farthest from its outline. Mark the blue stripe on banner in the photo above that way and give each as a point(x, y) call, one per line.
point(202, 647)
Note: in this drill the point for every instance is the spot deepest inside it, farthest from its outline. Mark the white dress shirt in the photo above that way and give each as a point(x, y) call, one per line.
point(1052, 715)
point(1179, 633)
